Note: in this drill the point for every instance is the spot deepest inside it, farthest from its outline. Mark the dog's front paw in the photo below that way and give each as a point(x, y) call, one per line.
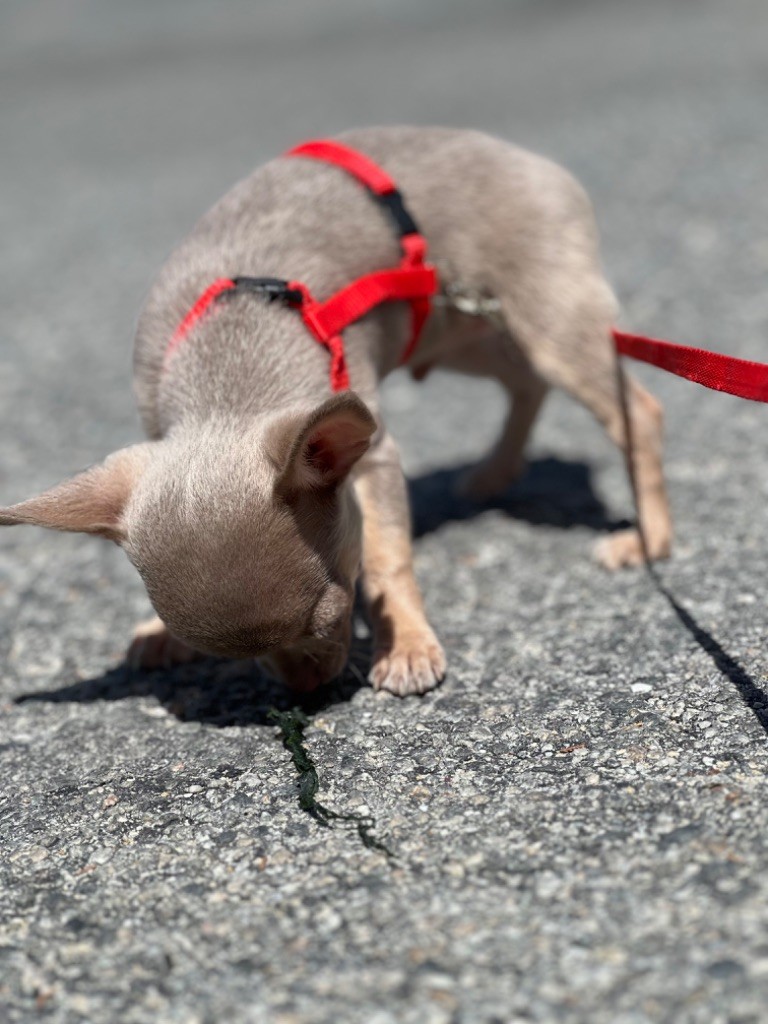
point(153, 646)
point(414, 664)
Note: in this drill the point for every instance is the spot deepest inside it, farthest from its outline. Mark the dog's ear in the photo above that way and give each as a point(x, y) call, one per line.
point(317, 450)
point(91, 502)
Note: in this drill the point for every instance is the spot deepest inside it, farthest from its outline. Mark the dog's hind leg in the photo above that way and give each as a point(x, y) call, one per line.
point(505, 463)
point(570, 345)
point(642, 445)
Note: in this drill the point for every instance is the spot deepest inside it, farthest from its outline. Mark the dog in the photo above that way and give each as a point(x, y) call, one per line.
point(260, 495)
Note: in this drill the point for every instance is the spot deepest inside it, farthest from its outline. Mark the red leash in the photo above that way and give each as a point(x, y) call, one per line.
point(740, 377)
point(414, 281)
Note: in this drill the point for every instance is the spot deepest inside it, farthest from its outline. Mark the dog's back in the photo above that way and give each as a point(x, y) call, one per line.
point(490, 213)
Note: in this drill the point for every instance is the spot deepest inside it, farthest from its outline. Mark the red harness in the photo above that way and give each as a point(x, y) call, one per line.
point(415, 282)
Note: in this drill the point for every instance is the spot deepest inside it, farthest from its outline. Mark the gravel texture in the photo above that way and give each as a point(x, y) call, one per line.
point(578, 815)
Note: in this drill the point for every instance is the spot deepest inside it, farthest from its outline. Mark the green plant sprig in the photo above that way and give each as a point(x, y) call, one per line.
point(292, 725)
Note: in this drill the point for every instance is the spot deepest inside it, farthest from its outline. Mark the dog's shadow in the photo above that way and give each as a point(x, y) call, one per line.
point(226, 693)
point(553, 492)
point(211, 691)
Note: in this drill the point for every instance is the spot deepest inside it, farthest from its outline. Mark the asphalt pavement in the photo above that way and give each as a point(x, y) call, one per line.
point(577, 819)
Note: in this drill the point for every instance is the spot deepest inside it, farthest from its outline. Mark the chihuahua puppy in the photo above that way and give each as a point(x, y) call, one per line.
point(259, 495)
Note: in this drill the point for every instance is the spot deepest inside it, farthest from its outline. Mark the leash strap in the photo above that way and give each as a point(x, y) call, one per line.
point(740, 377)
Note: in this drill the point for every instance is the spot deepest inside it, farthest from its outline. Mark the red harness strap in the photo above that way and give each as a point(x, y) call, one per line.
point(413, 281)
point(221, 286)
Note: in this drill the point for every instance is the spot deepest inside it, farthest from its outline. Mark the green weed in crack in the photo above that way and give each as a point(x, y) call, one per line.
point(292, 725)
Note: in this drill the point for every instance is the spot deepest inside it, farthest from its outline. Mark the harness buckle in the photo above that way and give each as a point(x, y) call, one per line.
point(273, 289)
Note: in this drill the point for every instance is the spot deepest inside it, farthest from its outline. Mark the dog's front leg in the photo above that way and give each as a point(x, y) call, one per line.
point(407, 657)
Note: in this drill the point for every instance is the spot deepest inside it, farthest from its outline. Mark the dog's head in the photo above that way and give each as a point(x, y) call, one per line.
point(248, 539)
